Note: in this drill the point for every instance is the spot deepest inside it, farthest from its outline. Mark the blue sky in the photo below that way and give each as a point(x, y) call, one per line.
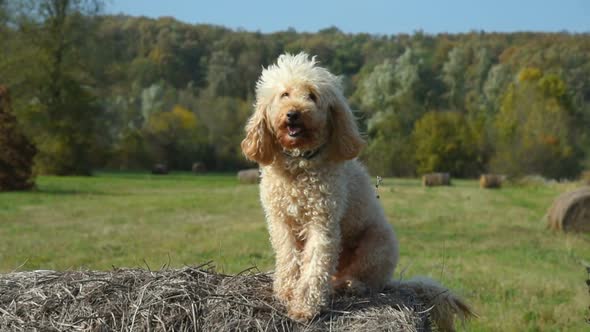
point(372, 16)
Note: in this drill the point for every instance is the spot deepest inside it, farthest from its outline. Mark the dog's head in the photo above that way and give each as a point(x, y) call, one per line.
point(300, 106)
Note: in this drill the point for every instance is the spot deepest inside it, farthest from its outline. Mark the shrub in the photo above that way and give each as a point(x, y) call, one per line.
point(533, 127)
point(445, 141)
point(16, 151)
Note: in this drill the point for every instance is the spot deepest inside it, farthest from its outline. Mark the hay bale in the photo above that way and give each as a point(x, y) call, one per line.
point(570, 212)
point(436, 179)
point(199, 167)
point(160, 169)
point(490, 181)
point(249, 176)
point(585, 178)
point(187, 299)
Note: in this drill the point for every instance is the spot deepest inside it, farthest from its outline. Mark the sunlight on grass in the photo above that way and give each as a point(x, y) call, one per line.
point(489, 245)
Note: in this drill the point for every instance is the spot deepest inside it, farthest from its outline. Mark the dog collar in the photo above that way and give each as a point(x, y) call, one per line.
point(309, 154)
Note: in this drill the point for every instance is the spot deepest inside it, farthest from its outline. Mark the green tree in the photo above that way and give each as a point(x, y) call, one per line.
point(147, 66)
point(172, 136)
point(475, 100)
point(390, 151)
point(445, 142)
point(533, 128)
point(9, 43)
point(64, 108)
point(222, 75)
point(377, 90)
point(389, 94)
point(454, 73)
point(496, 82)
point(223, 119)
point(3, 14)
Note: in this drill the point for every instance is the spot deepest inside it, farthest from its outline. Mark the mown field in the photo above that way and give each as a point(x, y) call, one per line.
point(491, 246)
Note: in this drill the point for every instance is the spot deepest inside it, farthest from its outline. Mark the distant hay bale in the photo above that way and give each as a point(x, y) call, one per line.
point(249, 176)
point(199, 167)
point(436, 179)
point(570, 212)
point(160, 169)
point(585, 178)
point(187, 299)
point(490, 181)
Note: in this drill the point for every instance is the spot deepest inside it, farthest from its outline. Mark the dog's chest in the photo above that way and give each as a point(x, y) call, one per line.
point(302, 199)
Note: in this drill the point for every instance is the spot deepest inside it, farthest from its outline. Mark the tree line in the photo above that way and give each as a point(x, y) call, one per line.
point(99, 91)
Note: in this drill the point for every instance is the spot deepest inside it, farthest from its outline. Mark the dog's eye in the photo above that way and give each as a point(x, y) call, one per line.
point(313, 97)
point(285, 94)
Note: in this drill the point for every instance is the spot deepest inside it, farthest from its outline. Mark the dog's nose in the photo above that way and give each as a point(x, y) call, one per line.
point(292, 115)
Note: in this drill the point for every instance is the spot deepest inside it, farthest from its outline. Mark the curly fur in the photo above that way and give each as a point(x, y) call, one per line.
point(326, 226)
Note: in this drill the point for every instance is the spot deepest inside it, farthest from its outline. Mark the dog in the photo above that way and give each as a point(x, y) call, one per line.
point(327, 228)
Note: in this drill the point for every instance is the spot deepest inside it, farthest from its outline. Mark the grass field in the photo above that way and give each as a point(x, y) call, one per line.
point(489, 245)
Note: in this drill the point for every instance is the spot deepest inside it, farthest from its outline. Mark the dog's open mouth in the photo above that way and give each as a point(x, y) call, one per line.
point(294, 130)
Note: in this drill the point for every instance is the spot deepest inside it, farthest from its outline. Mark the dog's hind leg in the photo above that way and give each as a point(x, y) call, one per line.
point(369, 266)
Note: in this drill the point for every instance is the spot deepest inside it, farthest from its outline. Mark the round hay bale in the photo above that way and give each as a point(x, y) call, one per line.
point(187, 299)
point(436, 179)
point(490, 181)
point(249, 176)
point(585, 178)
point(570, 211)
point(199, 167)
point(160, 169)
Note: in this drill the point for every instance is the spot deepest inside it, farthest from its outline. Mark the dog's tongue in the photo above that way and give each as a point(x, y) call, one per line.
point(293, 130)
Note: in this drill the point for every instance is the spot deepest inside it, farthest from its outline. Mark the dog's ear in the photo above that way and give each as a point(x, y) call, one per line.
point(345, 139)
point(259, 144)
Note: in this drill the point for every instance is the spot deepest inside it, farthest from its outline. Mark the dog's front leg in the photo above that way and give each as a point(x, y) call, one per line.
point(319, 261)
point(286, 260)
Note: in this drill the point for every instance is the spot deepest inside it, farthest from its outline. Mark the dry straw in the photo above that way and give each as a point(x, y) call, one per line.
point(249, 176)
point(436, 179)
point(490, 181)
point(187, 299)
point(570, 212)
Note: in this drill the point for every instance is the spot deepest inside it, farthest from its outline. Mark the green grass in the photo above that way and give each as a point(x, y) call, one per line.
point(491, 246)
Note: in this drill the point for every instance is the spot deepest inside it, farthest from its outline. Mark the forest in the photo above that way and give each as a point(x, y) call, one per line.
point(94, 91)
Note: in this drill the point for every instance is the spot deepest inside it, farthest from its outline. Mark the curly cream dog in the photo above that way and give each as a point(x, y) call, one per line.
point(326, 226)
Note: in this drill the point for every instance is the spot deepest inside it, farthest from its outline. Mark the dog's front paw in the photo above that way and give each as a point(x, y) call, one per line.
point(300, 314)
point(348, 286)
